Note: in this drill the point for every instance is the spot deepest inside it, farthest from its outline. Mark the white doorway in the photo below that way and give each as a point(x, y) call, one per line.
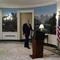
point(23, 17)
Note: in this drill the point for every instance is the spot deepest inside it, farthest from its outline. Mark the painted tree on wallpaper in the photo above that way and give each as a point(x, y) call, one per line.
point(9, 23)
point(52, 23)
point(46, 15)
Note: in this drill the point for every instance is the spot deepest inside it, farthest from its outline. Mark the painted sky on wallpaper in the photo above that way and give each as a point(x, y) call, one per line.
point(38, 10)
point(46, 9)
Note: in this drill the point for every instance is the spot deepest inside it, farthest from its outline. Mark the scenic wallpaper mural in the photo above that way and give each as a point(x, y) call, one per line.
point(45, 15)
point(9, 23)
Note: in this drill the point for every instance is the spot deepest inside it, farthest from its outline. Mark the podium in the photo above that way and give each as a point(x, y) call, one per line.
point(37, 44)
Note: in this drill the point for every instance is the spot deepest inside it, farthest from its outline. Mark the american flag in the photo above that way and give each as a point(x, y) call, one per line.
point(58, 33)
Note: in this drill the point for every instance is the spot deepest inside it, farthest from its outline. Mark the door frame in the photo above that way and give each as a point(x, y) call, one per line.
point(19, 21)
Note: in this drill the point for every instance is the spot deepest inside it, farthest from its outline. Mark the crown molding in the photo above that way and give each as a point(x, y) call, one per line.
point(6, 5)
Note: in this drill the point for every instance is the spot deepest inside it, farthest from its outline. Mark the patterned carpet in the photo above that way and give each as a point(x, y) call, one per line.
point(16, 51)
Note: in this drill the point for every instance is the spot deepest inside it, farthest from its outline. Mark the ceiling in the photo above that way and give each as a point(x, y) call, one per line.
point(25, 3)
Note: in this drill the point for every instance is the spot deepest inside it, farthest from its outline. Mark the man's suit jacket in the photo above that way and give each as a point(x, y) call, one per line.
point(26, 29)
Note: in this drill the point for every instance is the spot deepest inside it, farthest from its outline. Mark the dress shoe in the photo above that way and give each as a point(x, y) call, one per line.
point(28, 47)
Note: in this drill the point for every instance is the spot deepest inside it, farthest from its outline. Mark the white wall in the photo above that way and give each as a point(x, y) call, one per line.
point(58, 5)
point(10, 36)
point(52, 39)
point(0, 24)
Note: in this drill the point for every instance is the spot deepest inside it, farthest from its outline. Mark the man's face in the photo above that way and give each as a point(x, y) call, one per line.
point(27, 21)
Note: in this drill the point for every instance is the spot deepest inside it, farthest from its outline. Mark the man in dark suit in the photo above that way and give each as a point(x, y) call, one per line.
point(26, 31)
